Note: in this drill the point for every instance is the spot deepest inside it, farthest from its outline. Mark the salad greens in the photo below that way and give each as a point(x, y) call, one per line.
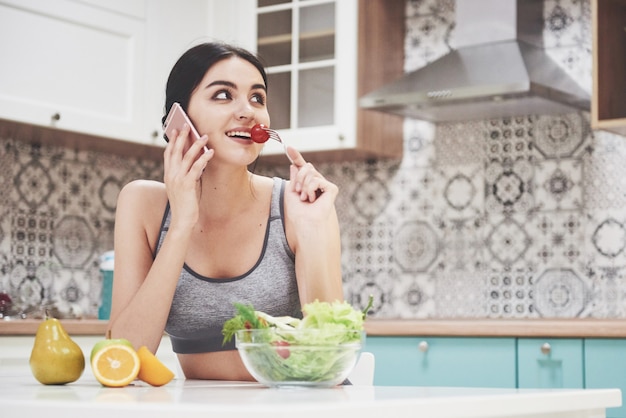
point(319, 347)
point(335, 316)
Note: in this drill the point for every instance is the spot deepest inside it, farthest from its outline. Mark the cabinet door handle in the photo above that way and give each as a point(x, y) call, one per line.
point(545, 348)
point(422, 346)
point(55, 117)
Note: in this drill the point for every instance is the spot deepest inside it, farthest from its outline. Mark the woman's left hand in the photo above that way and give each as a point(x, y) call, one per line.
point(307, 182)
point(312, 230)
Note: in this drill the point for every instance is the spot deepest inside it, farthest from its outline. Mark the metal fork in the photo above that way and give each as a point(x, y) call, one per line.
point(274, 135)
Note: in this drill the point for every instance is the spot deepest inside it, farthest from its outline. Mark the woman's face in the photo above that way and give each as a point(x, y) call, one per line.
point(228, 102)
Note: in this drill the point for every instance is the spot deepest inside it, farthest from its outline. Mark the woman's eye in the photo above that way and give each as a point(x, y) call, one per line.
point(222, 95)
point(258, 98)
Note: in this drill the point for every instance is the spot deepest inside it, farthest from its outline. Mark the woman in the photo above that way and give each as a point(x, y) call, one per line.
point(213, 233)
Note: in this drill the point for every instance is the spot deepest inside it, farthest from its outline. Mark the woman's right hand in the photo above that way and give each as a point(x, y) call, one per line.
point(184, 163)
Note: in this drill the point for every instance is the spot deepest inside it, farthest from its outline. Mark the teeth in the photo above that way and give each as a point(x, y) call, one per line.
point(236, 133)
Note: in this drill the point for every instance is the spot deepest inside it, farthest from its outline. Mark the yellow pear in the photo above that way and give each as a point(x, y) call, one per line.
point(56, 359)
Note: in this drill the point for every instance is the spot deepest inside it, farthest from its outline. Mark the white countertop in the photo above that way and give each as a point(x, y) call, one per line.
point(22, 396)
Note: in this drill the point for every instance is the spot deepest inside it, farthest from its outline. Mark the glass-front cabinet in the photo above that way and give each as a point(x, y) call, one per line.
point(306, 61)
point(311, 51)
point(311, 96)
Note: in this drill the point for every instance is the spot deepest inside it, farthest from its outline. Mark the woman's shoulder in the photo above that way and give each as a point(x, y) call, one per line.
point(147, 185)
point(144, 194)
point(144, 188)
point(264, 183)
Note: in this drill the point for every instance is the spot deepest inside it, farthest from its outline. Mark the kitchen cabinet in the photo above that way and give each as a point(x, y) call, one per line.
point(605, 367)
point(73, 66)
point(525, 363)
point(320, 57)
point(95, 67)
point(550, 363)
point(443, 361)
point(172, 27)
point(608, 106)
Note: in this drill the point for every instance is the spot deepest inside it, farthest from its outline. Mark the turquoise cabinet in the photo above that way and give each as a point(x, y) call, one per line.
point(605, 367)
point(501, 362)
point(443, 361)
point(550, 363)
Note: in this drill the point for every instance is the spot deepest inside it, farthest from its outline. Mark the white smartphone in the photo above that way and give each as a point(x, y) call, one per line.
point(176, 119)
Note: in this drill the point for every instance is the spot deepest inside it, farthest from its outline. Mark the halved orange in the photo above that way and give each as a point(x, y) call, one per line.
point(152, 370)
point(115, 365)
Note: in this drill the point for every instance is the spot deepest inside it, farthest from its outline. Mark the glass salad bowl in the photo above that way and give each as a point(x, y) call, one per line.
point(299, 357)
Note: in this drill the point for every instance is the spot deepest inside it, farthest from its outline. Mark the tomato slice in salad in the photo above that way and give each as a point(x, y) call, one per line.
point(281, 348)
point(259, 134)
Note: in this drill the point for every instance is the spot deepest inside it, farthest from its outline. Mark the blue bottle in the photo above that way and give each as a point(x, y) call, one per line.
point(106, 271)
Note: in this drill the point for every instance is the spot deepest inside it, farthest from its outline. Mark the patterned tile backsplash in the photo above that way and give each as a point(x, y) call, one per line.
point(520, 217)
point(56, 219)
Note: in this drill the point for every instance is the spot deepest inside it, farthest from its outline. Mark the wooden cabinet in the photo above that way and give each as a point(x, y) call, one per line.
point(443, 361)
point(95, 67)
point(320, 57)
point(608, 106)
point(550, 363)
point(605, 367)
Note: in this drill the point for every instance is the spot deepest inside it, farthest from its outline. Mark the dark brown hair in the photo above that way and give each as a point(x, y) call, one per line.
point(191, 67)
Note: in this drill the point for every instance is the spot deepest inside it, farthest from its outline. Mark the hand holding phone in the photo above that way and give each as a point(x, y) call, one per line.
point(176, 119)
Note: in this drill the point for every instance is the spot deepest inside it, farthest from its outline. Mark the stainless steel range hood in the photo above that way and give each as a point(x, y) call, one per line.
point(498, 68)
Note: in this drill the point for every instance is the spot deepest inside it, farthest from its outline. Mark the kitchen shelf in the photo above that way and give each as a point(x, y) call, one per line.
point(476, 327)
point(555, 328)
point(608, 106)
point(72, 326)
point(287, 37)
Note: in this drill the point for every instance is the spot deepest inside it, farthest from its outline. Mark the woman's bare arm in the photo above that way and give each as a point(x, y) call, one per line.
point(143, 288)
point(313, 231)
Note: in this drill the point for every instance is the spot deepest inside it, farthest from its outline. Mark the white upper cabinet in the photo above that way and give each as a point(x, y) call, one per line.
point(100, 66)
point(72, 65)
point(172, 28)
point(311, 93)
point(311, 64)
point(93, 66)
point(310, 49)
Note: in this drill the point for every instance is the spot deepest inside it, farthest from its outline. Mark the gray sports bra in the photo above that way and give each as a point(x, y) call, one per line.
point(202, 304)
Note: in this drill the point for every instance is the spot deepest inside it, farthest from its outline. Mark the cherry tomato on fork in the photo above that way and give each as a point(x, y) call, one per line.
point(259, 134)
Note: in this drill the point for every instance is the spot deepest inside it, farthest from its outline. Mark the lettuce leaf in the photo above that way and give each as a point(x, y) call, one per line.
point(333, 334)
point(333, 317)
